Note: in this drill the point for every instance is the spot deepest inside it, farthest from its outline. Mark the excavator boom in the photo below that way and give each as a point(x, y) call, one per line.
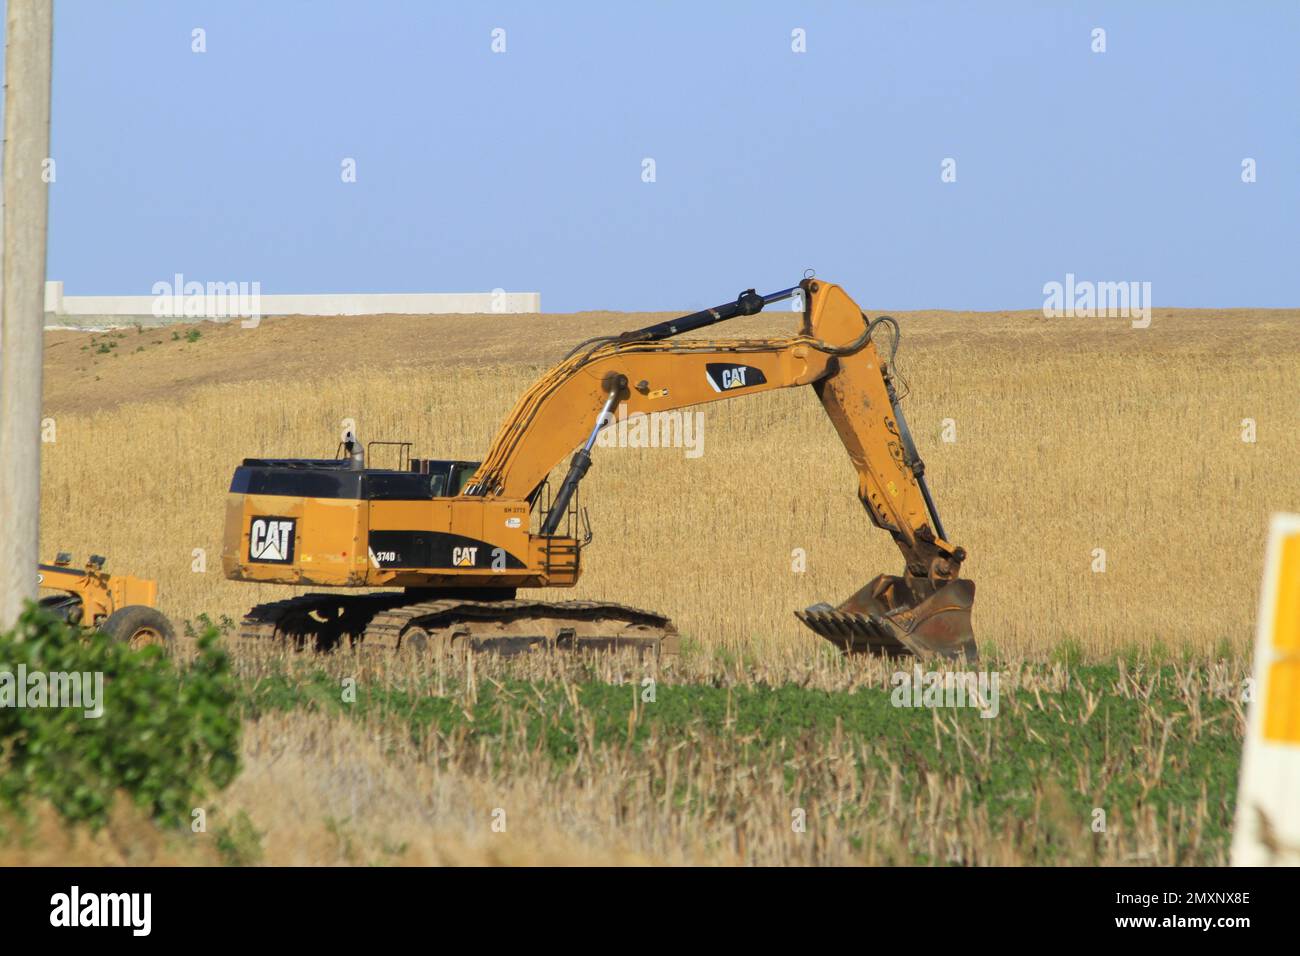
point(927, 609)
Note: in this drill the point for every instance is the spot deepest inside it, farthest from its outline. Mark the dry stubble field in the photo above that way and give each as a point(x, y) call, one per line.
point(1072, 435)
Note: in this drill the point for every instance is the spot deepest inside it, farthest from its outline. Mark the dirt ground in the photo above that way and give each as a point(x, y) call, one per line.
point(86, 371)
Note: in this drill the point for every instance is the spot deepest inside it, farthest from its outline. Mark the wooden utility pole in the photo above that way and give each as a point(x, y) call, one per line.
point(29, 28)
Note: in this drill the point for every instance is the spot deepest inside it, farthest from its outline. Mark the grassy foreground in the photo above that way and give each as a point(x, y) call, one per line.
point(348, 759)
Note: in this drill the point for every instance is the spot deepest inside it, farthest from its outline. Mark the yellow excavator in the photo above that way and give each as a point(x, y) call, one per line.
point(459, 538)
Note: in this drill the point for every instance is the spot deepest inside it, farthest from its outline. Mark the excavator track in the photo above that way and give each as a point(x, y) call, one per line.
point(390, 622)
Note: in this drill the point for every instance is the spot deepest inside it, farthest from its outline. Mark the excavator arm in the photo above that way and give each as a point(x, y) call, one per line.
point(927, 609)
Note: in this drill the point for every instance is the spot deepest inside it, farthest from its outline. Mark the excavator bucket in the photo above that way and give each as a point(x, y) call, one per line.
point(900, 615)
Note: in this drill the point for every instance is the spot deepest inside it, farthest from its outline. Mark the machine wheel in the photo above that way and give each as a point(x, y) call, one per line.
point(139, 626)
point(416, 639)
point(440, 642)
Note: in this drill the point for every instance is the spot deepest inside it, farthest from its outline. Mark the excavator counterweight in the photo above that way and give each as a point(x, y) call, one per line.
point(458, 537)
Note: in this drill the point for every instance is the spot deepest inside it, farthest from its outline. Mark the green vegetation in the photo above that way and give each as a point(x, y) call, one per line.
point(239, 842)
point(1083, 763)
point(165, 737)
point(1172, 752)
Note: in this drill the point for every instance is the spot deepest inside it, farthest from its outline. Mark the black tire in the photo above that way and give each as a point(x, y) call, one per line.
point(139, 626)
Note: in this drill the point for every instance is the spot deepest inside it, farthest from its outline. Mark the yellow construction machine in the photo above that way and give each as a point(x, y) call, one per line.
point(459, 538)
point(119, 605)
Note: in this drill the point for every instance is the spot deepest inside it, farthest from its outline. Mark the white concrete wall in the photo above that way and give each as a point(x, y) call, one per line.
point(73, 310)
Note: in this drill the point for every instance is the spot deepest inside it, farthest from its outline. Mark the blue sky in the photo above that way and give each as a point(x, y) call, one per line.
point(523, 170)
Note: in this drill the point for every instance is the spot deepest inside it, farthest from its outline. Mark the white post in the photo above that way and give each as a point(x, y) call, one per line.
point(1267, 831)
point(29, 31)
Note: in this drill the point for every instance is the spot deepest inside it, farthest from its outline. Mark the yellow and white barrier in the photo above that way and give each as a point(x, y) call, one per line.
point(1267, 830)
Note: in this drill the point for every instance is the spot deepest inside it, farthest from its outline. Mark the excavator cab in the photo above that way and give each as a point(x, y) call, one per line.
point(447, 478)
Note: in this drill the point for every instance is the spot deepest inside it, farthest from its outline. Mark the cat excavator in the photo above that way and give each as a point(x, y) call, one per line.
point(454, 541)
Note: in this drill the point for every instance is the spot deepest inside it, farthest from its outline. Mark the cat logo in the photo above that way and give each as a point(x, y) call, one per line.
point(464, 557)
point(724, 376)
point(270, 540)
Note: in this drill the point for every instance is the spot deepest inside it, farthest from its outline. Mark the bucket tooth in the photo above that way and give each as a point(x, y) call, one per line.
point(900, 615)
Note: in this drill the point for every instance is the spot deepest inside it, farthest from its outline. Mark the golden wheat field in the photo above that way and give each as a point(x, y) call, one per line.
point(1071, 435)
